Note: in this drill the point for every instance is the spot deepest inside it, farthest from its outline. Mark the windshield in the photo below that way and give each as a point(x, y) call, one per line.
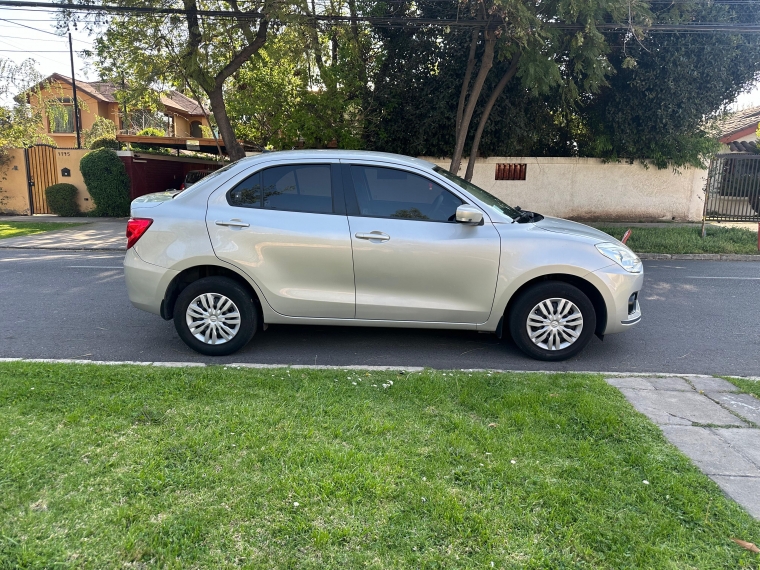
point(488, 199)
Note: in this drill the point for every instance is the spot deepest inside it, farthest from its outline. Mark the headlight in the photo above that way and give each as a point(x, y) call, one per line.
point(621, 255)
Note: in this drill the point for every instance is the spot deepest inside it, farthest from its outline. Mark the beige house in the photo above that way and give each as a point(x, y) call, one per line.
point(180, 117)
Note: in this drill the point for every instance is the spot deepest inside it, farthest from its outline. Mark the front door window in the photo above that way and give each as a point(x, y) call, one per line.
point(390, 193)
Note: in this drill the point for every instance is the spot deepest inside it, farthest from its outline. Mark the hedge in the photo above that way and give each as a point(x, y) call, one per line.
point(62, 199)
point(107, 182)
point(106, 141)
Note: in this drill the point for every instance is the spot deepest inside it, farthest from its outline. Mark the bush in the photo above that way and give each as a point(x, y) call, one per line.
point(107, 182)
point(107, 141)
point(151, 132)
point(62, 199)
point(102, 127)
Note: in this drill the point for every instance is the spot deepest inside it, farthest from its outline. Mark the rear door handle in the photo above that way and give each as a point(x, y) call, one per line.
point(379, 236)
point(233, 223)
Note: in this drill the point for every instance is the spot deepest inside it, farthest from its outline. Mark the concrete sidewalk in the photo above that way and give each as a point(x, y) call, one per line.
point(710, 422)
point(107, 234)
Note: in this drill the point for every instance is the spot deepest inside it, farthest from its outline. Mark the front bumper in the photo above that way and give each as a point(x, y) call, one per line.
point(617, 285)
point(146, 283)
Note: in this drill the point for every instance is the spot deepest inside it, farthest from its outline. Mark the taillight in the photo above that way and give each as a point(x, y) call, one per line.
point(182, 186)
point(136, 227)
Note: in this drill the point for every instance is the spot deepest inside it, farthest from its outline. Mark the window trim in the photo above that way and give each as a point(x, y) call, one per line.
point(336, 189)
point(352, 203)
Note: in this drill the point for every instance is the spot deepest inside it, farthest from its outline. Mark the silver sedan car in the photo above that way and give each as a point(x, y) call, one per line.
point(369, 239)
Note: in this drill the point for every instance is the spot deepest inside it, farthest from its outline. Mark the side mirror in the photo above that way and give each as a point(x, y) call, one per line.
point(469, 215)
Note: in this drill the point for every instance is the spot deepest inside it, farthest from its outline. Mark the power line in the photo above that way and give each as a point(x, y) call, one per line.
point(41, 31)
point(389, 21)
point(30, 27)
point(41, 39)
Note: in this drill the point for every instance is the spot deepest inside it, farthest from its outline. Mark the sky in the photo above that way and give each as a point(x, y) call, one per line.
point(18, 42)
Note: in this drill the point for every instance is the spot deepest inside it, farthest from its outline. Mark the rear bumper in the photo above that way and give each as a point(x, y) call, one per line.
point(146, 283)
point(618, 286)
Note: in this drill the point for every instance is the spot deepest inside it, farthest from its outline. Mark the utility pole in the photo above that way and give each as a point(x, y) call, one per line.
point(76, 101)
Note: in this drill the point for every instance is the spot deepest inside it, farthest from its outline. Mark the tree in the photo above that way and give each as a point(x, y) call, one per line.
point(195, 53)
point(102, 127)
point(542, 53)
point(21, 124)
point(654, 103)
point(665, 90)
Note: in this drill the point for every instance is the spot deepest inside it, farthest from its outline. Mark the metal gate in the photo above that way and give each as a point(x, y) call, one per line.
point(41, 171)
point(733, 188)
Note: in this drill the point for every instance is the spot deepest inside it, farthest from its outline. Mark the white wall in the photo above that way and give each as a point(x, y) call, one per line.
point(589, 189)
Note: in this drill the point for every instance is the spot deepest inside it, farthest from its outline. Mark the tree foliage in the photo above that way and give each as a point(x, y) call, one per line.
point(102, 127)
point(518, 85)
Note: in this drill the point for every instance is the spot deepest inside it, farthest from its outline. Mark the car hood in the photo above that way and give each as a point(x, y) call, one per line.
point(560, 226)
point(155, 199)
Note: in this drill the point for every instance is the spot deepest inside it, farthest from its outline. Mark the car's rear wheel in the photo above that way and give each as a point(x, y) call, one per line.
point(215, 316)
point(552, 321)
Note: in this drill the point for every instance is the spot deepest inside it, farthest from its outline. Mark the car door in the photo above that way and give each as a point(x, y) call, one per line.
point(286, 227)
point(412, 260)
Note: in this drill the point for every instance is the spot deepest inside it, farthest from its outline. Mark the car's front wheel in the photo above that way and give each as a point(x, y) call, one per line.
point(215, 316)
point(552, 321)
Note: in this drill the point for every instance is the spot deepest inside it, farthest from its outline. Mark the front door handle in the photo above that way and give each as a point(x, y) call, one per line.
point(379, 236)
point(233, 224)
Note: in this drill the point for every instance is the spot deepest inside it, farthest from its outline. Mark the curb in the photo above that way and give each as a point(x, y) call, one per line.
point(699, 256)
point(361, 367)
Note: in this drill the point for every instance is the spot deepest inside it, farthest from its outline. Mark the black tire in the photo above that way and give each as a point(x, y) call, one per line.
point(529, 299)
point(234, 292)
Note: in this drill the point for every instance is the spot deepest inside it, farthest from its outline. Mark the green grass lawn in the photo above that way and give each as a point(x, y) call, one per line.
point(141, 467)
point(18, 229)
point(746, 386)
point(680, 239)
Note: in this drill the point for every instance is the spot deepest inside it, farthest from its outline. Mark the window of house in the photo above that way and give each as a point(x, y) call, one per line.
point(296, 188)
point(390, 193)
point(62, 117)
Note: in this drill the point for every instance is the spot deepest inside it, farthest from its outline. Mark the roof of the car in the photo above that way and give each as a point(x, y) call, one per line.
point(341, 154)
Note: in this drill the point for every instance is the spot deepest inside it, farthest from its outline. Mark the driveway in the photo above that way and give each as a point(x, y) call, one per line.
point(699, 317)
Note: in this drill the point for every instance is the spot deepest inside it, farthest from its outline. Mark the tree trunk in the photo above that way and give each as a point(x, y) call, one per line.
point(466, 80)
point(234, 149)
point(486, 63)
point(487, 112)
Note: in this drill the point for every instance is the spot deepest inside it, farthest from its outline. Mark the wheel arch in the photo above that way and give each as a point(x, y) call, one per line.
point(588, 289)
point(192, 274)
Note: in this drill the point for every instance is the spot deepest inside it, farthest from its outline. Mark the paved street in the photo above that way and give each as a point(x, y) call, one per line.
point(699, 317)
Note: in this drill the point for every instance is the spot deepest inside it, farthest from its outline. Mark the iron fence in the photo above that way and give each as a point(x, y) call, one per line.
point(733, 188)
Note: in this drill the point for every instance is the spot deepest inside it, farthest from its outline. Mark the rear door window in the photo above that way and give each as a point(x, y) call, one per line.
point(294, 188)
point(390, 193)
point(298, 188)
